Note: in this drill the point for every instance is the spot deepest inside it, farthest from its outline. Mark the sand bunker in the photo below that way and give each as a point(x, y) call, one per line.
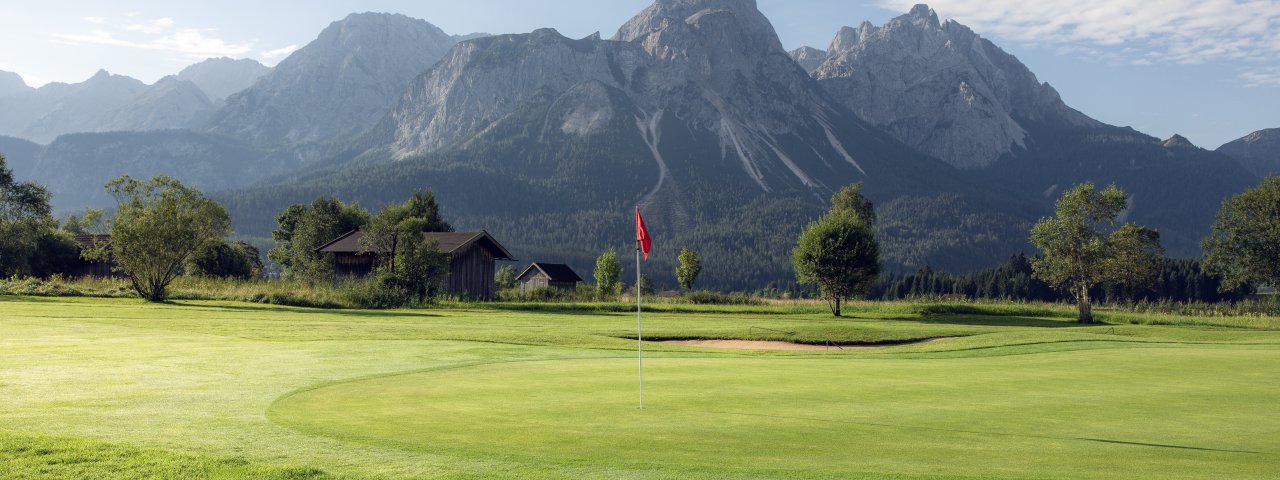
point(778, 345)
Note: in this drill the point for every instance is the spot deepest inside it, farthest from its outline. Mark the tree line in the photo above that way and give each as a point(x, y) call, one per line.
point(1086, 253)
point(161, 229)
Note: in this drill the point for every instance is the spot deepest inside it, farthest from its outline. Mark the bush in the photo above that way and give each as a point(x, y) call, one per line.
point(705, 297)
point(540, 294)
point(226, 260)
point(377, 293)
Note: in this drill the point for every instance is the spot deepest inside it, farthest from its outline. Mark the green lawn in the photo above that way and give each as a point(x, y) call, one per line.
point(116, 388)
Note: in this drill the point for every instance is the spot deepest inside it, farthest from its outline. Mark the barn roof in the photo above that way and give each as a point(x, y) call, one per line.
point(555, 272)
point(450, 242)
point(89, 240)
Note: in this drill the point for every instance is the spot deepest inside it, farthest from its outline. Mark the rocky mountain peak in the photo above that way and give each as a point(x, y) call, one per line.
point(1177, 141)
point(1270, 135)
point(12, 84)
point(1258, 151)
point(340, 84)
point(922, 15)
point(808, 57)
point(667, 25)
point(221, 77)
point(940, 88)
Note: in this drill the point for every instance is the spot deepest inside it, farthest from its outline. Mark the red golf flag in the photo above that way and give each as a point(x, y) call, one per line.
point(642, 235)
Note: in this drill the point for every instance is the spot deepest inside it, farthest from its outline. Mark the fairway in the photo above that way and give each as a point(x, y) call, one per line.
point(115, 388)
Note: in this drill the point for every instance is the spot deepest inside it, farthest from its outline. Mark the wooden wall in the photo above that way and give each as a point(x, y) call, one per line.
point(471, 273)
point(357, 265)
point(538, 280)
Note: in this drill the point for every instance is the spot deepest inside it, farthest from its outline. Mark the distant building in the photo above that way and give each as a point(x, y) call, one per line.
point(553, 275)
point(471, 259)
point(86, 268)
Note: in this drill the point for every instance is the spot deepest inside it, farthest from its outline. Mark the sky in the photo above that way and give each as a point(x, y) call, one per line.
point(1206, 69)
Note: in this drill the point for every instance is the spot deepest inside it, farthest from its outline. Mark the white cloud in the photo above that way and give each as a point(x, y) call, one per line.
point(1131, 31)
point(268, 56)
point(159, 34)
point(98, 20)
point(1261, 77)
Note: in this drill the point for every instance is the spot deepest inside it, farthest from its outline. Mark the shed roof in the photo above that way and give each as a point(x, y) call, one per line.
point(90, 240)
point(450, 242)
point(555, 272)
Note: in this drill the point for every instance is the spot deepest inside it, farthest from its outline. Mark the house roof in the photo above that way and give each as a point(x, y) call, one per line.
point(555, 272)
point(450, 242)
point(89, 240)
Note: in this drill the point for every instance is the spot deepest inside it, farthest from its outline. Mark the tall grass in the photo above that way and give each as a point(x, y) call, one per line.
point(275, 292)
point(1253, 314)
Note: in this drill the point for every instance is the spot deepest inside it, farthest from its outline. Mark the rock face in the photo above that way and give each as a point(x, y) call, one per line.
point(340, 84)
point(1177, 141)
point(12, 84)
point(940, 88)
point(1258, 151)
point(809, 58)
point(104, 102)
point(169, 103)
point(715, 68)
point(218, 78)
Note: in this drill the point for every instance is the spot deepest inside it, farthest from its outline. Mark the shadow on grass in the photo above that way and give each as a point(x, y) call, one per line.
point(1000, 321)
point(1002, 434)
point(329, 311)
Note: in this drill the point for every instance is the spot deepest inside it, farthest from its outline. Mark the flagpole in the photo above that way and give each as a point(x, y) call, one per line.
point(639, 329)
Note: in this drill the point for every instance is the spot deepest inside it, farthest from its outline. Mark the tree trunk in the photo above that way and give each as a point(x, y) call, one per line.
point(834, 303)
point(1085, 306)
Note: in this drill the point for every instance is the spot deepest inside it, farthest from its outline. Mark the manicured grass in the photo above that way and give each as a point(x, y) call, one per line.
point(224, 390)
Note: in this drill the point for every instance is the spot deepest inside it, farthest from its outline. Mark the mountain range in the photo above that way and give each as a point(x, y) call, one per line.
point(692, 109)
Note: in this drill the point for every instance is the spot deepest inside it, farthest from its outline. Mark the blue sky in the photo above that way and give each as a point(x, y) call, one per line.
point(1208, 69)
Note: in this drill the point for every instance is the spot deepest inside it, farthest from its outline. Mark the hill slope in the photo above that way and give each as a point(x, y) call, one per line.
point(1258, 151)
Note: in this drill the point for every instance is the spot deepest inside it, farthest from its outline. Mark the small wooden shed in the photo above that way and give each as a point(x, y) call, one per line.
point(553, 275)
point(86, 268)
point(472, 256)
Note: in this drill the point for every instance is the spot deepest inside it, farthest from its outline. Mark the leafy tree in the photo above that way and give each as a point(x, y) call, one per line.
point(286, 223)
point(407, 259)
point(24, 219)
point(608, 274)
point(505, 277)
point(226, 260)
point(1079, 252)
point(646, 286)
point(689, 268)
point(389, 226)
point(422, 266)
point(850, 199)
point(1135, 258)
point(1244, 245)
point(422, 204)
point(838, 252)
point(303, 230)
point(57, 252)
point(158, 226)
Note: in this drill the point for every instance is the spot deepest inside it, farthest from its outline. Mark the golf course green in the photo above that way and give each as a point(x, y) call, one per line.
point(119, 388)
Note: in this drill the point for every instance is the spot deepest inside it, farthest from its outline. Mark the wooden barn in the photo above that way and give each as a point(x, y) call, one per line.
point(86, 268)
point(552, 275)
point(471, 260)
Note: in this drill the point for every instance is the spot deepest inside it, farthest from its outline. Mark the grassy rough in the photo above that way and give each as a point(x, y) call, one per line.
point(41, 457)
point(209, 384)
